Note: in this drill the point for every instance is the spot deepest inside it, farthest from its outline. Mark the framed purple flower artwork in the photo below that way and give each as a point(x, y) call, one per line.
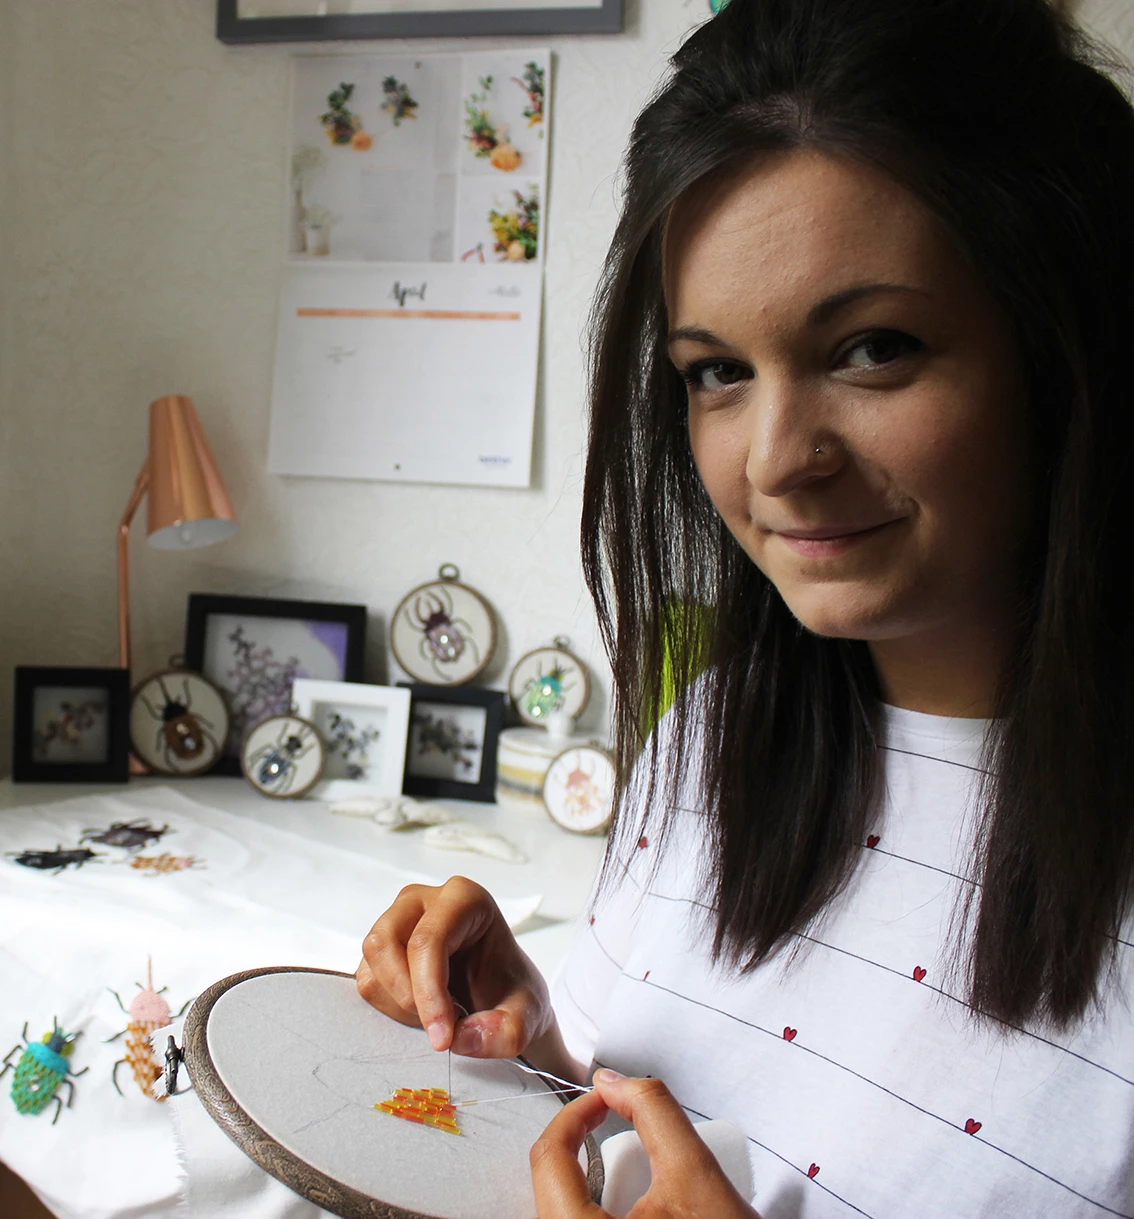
point(254, 648)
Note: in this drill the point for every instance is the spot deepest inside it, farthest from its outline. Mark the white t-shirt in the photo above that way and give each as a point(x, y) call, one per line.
point(853, 1065)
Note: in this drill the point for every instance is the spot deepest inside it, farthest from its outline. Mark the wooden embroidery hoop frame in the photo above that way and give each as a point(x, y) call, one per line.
point(306, 1180)
point(448, 575)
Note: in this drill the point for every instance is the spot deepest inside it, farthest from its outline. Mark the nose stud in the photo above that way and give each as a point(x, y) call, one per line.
point(819, 450)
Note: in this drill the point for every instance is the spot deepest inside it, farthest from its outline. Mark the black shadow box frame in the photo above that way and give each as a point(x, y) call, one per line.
point(484, 789)
point(115, 768)
point(203, 606)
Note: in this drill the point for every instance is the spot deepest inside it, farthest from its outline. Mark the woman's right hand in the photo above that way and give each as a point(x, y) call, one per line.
point(440, 943)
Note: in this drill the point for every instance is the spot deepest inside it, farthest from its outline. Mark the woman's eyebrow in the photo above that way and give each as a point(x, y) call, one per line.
point(826, 309)
point(817, 315)
point(696, 334)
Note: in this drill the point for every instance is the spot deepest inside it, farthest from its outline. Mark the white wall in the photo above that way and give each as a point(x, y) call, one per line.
point(140, 249)
point(141, 203)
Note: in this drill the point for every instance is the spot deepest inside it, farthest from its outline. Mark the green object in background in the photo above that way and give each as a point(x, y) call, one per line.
point(686, 641)
point(717, 5)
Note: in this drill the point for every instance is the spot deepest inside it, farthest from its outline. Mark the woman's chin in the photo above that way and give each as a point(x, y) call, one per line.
point(835, 619)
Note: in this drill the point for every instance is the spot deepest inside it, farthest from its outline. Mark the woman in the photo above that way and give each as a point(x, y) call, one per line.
point(858, 388)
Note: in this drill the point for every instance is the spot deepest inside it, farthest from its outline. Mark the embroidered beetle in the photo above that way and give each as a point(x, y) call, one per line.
point(581, 793)
point(57, 860)
point(544, 692)
point(148, 1011)
point(155, 865)
point(42, 1070)
point(182, 732)
point(442, 640)
point(275, 764)
point(129, 834)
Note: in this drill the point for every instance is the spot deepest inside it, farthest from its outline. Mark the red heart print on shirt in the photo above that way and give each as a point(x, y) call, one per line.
point(972, 1126)
point(643, 842)
point(812, 1171)
point(789, 1033)
point(918, 973)
point(873, 841)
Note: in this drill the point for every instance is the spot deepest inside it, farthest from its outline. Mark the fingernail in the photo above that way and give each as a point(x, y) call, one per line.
point(470, 1040)
point(437, 1031)
point(604, 1075)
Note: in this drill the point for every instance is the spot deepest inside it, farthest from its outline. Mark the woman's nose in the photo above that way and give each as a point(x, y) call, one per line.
point(789, 443)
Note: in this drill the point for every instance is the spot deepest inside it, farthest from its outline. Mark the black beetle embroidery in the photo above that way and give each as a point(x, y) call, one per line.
point(129, 834)
point(54, 861)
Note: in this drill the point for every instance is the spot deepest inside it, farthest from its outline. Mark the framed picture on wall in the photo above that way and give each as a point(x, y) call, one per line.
point(253, 648)
point(315, 20)
point(453, 735)
point(71, 725)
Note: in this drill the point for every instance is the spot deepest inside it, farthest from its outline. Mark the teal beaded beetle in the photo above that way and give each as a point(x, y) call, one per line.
point(42, 1070)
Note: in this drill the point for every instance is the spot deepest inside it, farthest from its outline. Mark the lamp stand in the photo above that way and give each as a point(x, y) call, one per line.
point(137, 766)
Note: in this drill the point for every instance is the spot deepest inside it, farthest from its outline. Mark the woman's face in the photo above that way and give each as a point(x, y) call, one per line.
point(855, 403)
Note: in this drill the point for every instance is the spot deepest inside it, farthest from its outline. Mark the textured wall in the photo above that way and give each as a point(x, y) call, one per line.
point(140, 247)
point(141, 203)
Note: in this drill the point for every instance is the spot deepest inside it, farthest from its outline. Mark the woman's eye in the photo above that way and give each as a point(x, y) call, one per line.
point(715, 374)
point(881, 347)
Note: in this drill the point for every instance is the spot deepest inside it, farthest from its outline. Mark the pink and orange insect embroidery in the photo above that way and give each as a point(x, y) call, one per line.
point(147, 1012)
point(155, 865)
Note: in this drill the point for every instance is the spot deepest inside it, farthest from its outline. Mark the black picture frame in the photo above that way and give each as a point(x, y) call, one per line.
point(203, 607)
point(30, 747)
point(483, 788)
point(604, 18)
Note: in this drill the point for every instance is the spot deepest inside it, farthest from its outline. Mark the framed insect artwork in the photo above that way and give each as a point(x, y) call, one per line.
point(549, 681)
point(253, 649)
point(71, 725)
point(453, 736)
point(283, 757)
point(357, 1112)
point(364, 729)
point(178, 723)
point(443, 632)
point(578, 789)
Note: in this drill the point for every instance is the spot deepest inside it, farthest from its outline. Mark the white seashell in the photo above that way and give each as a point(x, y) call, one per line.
point(465, 836)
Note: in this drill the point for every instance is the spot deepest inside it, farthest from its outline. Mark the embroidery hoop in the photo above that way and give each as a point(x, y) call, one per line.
point(254, 734)
point(421, 669)
point(554, 789)
point(153, 757)
point(558, 650)
point(264, 1141)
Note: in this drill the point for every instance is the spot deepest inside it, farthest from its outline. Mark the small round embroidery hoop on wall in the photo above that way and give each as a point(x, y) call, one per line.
point(549, 679)
point(578, 789)
point(277, 768)
point(280, 1056)
point(443, 632)
point(179, 722)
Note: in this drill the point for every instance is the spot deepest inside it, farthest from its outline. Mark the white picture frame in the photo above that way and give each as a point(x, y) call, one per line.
point(364, 728)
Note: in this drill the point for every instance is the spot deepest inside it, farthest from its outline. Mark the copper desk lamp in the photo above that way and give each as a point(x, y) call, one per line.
point(188, 505)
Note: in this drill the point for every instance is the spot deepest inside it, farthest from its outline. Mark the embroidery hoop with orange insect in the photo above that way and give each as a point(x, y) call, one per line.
point(578, 789)
point(302, 1074)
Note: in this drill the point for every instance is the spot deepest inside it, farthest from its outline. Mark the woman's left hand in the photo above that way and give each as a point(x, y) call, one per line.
point(686, 1180)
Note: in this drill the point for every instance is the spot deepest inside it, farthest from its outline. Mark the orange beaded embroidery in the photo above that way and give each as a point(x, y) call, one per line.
point(426, 1106)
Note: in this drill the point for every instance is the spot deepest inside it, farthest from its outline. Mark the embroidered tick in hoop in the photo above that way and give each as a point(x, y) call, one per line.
point(291, 1062)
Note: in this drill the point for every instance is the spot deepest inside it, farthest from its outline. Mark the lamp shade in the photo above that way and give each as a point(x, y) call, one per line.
point(187, 504)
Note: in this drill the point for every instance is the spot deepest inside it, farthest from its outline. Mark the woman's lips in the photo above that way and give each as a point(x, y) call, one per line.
point(831, 540)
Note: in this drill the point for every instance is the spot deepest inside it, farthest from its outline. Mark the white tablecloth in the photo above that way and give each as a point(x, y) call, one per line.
point(256, 895)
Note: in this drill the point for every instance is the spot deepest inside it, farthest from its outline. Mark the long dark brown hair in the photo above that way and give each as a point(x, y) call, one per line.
point(1004, 120)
